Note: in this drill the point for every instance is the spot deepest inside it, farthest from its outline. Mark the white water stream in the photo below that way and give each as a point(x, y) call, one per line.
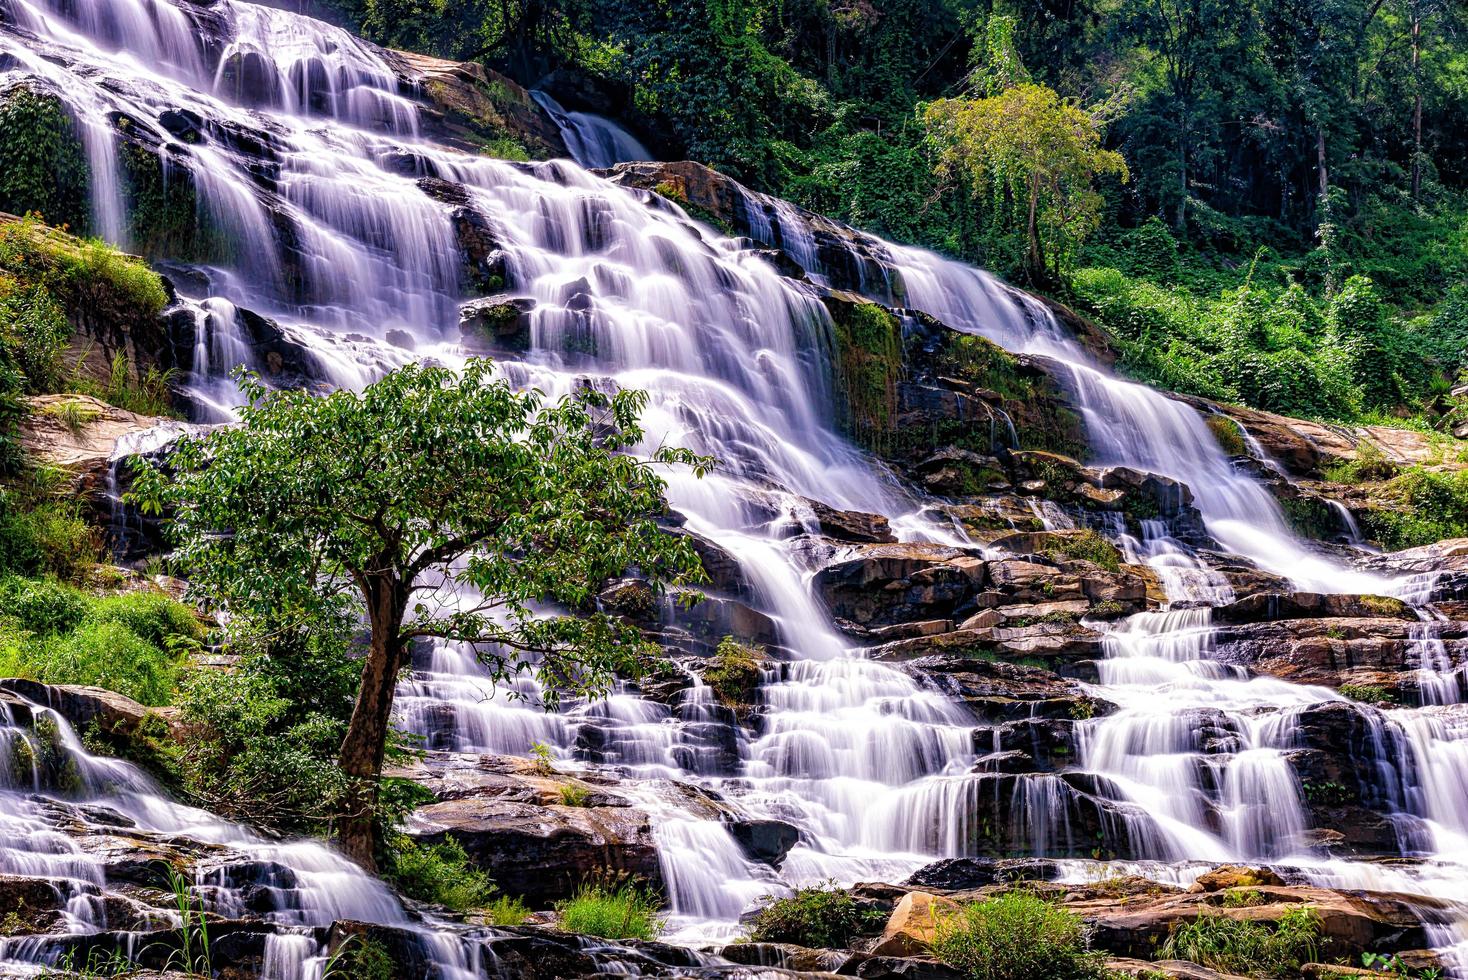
point(310, 160)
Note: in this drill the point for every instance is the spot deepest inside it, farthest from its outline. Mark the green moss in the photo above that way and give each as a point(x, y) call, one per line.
point(1230, 437)
point(868, 359)
point(164, 217)
point(43, 165)
point(1310, 517)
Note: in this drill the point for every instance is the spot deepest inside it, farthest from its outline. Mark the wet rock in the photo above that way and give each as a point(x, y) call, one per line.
point(968, 874)
point(83, 707)
point(850, 525)
point(767, 841)
point(500, 324)
point(884, 584)
point(1171, 969)
point(1309, 605)
point(997, 691)
point(473, 107)
point(542, 853)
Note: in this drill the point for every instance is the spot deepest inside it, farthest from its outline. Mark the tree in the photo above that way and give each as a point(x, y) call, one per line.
point(1036, 155)
point(436, 505)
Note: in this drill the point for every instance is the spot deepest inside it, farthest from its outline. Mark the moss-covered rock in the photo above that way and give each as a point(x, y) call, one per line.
point(735, 672)
point(964, 391)
point(867, 357)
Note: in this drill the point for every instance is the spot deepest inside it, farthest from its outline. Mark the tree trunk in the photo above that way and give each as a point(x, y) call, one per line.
point(363, 747)
point(1036, 258)
point(1321, 175)
point(1416, 107)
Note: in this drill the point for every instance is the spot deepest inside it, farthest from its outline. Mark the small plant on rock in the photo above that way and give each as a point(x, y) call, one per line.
point(439, 873)
point(823, 917)
point(612, 909)
point(1247, 948)
point(573, 794)
point(1017, 936)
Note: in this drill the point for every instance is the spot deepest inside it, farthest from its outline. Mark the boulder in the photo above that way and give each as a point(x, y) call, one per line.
point(79, 434)
point(499, 324)
point(766, 841)
point(913, 925)
point(1350, 923)
point(884, 584)
point(112, 713)
point(968, 874)
point(542, 853)
point(473, 107)
point(1274, 606)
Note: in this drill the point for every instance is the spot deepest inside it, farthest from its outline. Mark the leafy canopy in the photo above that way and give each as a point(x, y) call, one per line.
point(480, 505)
point(1035, 156)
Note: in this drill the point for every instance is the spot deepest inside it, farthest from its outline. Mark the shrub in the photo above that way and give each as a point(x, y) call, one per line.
point(154, 617)
point(105, 654)
point(611, 911)
point(41, 605)
point(1017, 936)
point(735, 672)
point(505, 911)
point(46, 538)
point(1254, 949)
point(438, 873)
point(823, 917)
point(263, 738)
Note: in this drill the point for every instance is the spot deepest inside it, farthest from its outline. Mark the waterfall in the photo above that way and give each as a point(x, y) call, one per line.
point(595, 142)
point(309, 157)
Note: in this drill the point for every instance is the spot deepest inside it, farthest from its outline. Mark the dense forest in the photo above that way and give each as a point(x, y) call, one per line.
point(1285, 226)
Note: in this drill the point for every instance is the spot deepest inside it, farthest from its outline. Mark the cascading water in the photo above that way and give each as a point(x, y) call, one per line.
point(306, 155)
point(595, 142)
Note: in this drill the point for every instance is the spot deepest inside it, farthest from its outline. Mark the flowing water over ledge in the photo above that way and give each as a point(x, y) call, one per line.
point(309, 162)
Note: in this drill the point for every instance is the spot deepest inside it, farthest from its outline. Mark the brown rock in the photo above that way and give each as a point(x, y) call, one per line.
point(913, 924)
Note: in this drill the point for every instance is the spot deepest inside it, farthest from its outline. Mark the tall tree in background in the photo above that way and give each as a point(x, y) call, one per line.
point(1028, 155)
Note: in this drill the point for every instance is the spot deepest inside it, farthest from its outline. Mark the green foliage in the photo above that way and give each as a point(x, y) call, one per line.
point(1086, 545)
point(439, 873)
point(145, 393)
point(611, 911)
point(1031, 159)
point(134, 643)
point(43, 166)
point(263, 736)
point(735, 672)
point(822, 917)
point(1016, 936)
point(1369, 693)
point(360, 957)
point(573, 794)
point(1248, 948)
point(364, 503)
point(1430, 505)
